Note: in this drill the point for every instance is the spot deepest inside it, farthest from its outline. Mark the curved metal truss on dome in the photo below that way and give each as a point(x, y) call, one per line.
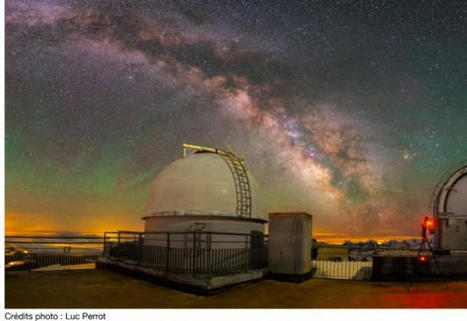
point(445, 186)
point(237, 167)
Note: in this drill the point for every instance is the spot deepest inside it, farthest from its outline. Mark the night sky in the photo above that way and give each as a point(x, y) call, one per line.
point(350, 110)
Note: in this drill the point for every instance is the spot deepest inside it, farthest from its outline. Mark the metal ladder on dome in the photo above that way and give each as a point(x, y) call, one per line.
point(239, 173)
point(242, 183)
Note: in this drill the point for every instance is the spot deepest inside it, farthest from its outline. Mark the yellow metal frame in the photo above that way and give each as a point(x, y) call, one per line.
point(208, 149)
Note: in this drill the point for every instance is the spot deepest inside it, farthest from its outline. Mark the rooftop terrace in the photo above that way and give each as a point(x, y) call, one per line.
point(105, 289)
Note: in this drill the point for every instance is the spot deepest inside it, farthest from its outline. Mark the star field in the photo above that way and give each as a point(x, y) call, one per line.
point(350, 110)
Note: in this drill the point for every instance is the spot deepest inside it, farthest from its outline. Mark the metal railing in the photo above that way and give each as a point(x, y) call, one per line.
point(188, 252)
point(24, 252)
point(342, 270)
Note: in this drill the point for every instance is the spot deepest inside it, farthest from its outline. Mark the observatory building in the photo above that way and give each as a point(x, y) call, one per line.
point(204, 225)
point(450, 212)
point(204, 228)
point(448, 259)
point(209, 190)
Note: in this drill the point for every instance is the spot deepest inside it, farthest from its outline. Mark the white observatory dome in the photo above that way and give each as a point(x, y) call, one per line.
point(450, 209)
point(456, 198)
point(200, 184)
point(452, 196)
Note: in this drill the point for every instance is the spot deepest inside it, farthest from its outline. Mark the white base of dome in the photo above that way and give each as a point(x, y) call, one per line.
point(239, 227)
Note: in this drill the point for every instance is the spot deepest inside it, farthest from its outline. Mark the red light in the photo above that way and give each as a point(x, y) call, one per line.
point(422, 258)
point(428, 223)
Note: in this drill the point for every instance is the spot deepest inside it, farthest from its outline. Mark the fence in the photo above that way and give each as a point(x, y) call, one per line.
point(440, 267)
point(208, 253)
point(188, 252)
point(68, 252)
point(343, 270)
point(395, 268)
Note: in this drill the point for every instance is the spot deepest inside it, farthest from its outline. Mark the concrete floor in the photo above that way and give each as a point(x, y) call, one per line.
point(106, 289)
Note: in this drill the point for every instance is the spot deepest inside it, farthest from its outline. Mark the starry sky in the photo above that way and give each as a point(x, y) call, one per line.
point(350, 110)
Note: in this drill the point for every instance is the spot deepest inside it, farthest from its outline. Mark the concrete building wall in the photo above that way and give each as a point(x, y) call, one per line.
point(289, 249)
point(403, 268)
point(453, 233)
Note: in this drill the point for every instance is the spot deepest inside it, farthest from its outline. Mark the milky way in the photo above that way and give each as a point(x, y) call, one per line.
point(350, 110)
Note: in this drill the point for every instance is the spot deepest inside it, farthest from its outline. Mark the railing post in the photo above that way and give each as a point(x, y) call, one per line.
point(119, 250)
point(168, 252)
point(104, 243)
point(140, 248)
point(194, 254)
point(247, 256)
point(208, 245)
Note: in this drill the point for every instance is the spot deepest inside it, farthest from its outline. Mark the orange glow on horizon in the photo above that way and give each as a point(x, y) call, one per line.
point(40, 224)
point(339, 239)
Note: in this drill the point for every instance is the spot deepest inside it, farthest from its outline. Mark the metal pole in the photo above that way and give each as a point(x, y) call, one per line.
point(103, 245)
point(194, 254)
point(208, 236)
point(140, 248)
point(119, 251)
point(246, 253)
point(168, 252)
